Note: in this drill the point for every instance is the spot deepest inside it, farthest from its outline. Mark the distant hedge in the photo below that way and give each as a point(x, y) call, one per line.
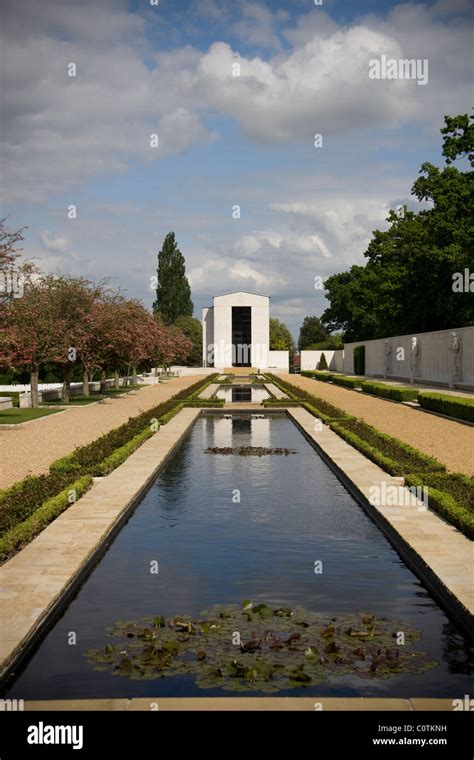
point(454, 406)
point(393, 392)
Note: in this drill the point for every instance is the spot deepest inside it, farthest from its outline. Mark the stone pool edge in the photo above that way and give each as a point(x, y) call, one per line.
point(307, 704)
point(432, 548)
point(37, 583)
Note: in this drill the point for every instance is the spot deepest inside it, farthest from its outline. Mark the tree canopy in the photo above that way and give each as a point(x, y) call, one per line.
point(311, 331)
point(173, 294)
point(407, 283)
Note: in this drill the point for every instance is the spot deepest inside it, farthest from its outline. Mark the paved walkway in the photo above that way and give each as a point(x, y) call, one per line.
point(450, 442)
point(30, 450)
point(34, 580)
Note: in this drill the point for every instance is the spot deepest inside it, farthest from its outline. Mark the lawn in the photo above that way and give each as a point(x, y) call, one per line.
point(14, 415)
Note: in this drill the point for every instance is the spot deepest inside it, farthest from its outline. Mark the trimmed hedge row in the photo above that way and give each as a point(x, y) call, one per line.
point(19, 501)
point(325, 377)
point(392, 455)
point(453, 406)
point(24, 498)
point(393, 392)
point(24, 532)
point(347, 382)
point(324, 409)
point(451, 495)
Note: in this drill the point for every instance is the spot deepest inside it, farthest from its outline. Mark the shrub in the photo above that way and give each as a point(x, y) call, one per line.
point(392, 455)
point(393, 392)
point(451, 495)
point(347, 382)
point(454, 406)
point(323, 363)
point(324, 409)
point(19, 501)
point(325, 377)
point(14, 395)
point(25, 531)
point(120, 455)
point(359, 360)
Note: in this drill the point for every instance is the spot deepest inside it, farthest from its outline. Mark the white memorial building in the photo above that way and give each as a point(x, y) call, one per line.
point(236, 333)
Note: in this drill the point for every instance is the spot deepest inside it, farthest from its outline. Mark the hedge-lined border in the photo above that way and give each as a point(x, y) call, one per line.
point(17, 537)
point(445, 504)
point(392, 392)
point(453, 406)
point(431, 470)
point(65, 471)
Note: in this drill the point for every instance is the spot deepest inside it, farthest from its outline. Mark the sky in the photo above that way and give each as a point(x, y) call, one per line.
point(227, 136)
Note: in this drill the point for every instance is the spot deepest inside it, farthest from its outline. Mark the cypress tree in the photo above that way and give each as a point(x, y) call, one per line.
point(173, 294)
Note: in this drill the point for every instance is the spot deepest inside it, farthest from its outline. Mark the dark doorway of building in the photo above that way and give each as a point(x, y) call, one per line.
point(241, 335)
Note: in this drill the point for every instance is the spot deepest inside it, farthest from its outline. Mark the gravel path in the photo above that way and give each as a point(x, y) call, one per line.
point(31, 449)
point(450, 442)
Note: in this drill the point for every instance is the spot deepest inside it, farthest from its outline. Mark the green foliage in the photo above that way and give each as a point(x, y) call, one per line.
point(173, 294)
point(192, 328)
point(21, 499)
point(359, 360)
point(323, 365)
point(311, 331)
point(280, 338)
point(15, 397)
point(23, 532)
point(390, 454)
point(331, 343)
point(280, 648)
point(454, 406)
point(406, 285)
point(451, 495)
point(325, 377)
point(393, 392)
point(120, 455)
point(346, 382)
point(322, 409)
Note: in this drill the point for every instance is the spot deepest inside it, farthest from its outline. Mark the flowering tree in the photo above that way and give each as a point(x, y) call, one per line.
point(33, 333)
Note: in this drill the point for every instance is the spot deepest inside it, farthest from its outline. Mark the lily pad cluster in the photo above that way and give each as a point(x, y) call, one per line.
point(260, 648)
point(249, 451)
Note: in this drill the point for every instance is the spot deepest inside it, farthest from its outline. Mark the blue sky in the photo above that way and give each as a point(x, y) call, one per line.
point(223, 140)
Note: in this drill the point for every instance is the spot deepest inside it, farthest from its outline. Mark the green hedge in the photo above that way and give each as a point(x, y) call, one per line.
point(324, 377)
point(393, 392)
point(24, 498)
point(453, 406)
point(19, 501)
point(324, 409)
point(451, 495)
point(347, 382)
point(392, 455)
point(14, 395)
point(120, 455)
point(24, 532)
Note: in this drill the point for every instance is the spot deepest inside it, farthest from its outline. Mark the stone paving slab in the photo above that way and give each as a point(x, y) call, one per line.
point(437, 545)
point(209, 391)
point(275, 391)
point(34, 580)
point(243, 704)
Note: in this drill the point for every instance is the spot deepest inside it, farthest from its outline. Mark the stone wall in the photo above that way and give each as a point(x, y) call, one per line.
point(444, 357)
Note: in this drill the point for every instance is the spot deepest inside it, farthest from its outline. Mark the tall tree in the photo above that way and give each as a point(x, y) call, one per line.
point(192, 329)
point(407, 284)
point(173, 294)
point(311, 331)
point(280, 338)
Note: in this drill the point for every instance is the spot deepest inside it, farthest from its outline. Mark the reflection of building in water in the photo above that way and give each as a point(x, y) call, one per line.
point(242, 393)
point(236, 430)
